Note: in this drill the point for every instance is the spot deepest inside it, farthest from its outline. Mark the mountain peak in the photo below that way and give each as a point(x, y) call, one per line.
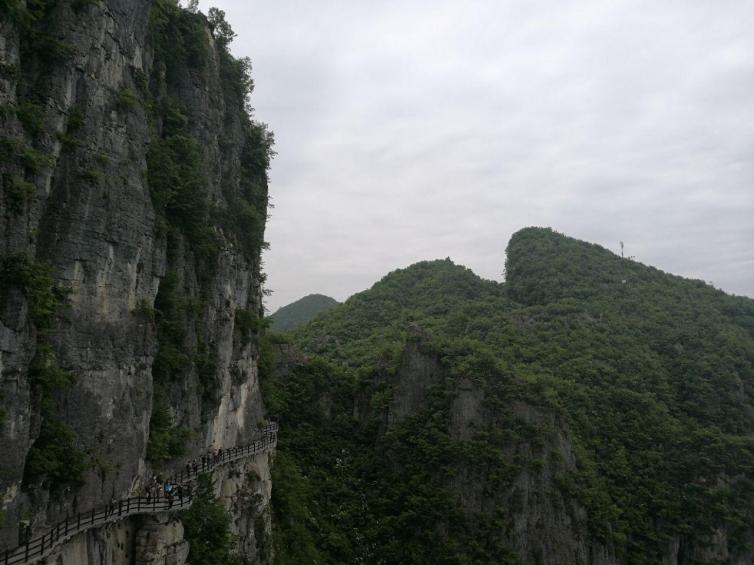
point(545, 266)
point(301, 311)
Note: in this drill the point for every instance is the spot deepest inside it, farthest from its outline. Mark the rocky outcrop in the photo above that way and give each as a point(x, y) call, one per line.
point(245, 490)
point(160, 540)
point(109, 545)
point(542, 524)
point(87, 95)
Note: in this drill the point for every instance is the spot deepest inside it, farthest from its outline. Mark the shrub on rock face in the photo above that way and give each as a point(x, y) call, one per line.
point(207, 527)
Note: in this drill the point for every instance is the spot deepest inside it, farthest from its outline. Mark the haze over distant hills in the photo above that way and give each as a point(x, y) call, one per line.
point(301, 311)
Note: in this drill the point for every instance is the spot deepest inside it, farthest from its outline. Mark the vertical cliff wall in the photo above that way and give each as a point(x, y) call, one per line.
point(132, 211)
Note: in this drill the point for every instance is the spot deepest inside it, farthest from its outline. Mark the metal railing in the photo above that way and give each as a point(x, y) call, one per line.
point(37, 548)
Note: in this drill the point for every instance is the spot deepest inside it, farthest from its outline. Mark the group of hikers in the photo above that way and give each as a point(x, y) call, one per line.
point(171, 489)
point(202, 463)
point(167, 490)
point(157, 489)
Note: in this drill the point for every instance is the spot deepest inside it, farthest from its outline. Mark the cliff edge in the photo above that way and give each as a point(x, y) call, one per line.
point(133, 205)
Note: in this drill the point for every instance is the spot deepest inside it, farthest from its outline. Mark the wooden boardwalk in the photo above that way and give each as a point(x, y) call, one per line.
point(42, 546)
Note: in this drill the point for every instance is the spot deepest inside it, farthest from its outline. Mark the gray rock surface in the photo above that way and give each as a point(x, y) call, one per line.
point(543, 526)
point(91, 216)
point(111, 545)
point(160, 541)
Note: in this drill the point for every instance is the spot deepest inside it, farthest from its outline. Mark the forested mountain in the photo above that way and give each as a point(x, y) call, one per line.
point(301, 311)
point(589, 410)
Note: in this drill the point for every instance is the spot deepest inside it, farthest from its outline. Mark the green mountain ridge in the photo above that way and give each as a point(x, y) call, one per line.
point(301, 311)
point(589, 405)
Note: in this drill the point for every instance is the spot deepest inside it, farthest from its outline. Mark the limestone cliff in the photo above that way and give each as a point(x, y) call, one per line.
point(541, 524)
point(132, 210)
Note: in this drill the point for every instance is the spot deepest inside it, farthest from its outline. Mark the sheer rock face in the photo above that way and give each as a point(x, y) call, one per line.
point(245, 489)
point(161, 541)
point(91, 216)
point(542, 525)
point(155, 539)
point(110, 545)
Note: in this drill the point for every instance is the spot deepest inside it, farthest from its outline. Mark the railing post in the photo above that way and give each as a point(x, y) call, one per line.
point(64, 528)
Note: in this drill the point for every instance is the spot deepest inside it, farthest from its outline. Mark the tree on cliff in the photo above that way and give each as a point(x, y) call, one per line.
point(207, 527)
point(221, 30)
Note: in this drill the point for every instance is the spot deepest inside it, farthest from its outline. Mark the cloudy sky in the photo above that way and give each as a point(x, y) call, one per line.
point(412, 129)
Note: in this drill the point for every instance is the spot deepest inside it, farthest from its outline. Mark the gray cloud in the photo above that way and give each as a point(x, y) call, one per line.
point(414, 130)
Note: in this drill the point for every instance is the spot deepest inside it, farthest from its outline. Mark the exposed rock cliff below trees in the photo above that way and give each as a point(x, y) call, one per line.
point(132, 211)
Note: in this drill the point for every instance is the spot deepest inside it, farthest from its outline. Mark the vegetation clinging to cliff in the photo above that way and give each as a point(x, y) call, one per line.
point(54, 456)
point(176, 163)
point(208, 528)
point(198, 221)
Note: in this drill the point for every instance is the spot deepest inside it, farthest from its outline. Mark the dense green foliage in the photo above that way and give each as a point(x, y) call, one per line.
point(18, 193)
point(30, 17)
point(177, 179)
point(20, 161)
point(207, 527)
point(652, 376)
point(171, 313)
point(301, 311)
point(196, 223)
point(176, 169)
point(247, 209)
point(166, 440)
point(346, 492)
point(54, 457)
point(34, 279)
point(176, 165)
point(179, 38)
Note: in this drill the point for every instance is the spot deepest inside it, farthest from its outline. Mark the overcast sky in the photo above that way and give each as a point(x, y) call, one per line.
point(410, 130)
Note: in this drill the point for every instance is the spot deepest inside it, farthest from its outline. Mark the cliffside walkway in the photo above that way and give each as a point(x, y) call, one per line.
point(40, 547)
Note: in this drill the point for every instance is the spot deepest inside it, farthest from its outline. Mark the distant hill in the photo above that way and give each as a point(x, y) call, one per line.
point(590, 409)
point(301, 311)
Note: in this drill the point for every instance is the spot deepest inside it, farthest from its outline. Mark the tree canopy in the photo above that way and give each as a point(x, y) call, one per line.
point(651, 376)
